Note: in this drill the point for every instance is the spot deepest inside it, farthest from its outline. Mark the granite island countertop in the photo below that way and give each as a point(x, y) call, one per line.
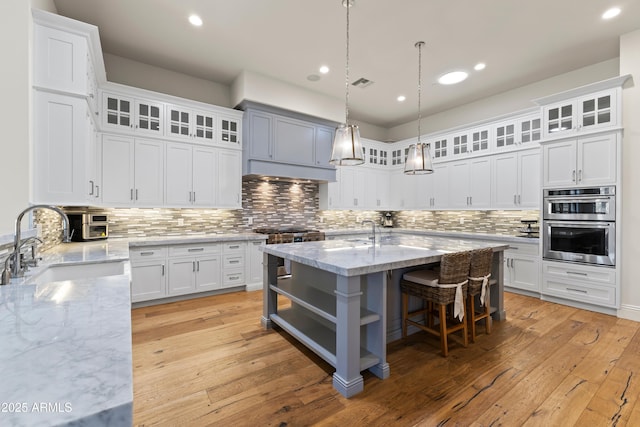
point(353, 257)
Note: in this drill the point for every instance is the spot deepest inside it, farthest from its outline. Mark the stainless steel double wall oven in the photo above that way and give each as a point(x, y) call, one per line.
point(579, 225)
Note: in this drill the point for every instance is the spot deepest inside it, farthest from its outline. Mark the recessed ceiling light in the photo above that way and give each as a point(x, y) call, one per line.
point(480, 66)
point(324, 69)
point(452, 77)
point(195, 20)
point(611, 13)
point(401, 98)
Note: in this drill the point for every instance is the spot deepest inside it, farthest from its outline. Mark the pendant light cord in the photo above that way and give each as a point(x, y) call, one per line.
point(419, 90)
point(346, 119)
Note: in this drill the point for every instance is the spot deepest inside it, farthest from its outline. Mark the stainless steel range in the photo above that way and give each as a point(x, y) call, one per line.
point(289, 235)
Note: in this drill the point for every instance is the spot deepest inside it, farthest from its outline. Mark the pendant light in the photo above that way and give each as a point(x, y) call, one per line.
point(347, 148)
point(419, 158)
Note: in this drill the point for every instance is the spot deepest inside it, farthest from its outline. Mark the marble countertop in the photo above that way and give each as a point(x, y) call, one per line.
point(66, 346)
point(193, 238)
point(353, 257)
point(456, 234)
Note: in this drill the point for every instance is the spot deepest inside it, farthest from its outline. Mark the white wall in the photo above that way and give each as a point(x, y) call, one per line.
point(15, 31)
point(506, 102)
point(255, 87)
point(132, 73)
point(630, 64)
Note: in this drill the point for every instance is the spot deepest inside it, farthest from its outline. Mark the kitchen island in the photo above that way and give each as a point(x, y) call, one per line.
point(343, 291)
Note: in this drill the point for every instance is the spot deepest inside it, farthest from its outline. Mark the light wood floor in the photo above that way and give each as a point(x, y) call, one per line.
point(208, 362)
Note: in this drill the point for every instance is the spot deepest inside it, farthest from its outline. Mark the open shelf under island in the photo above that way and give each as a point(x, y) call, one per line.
point(345, 296)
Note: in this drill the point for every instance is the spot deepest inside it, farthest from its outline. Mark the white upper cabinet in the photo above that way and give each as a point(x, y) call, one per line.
point(480, 140)
point(230, 130)
point(191, 125)
point(60, 60)
point(591, 108)
point(470, 184)
point(516, 180)
point(581, 161)
point(582, 114)
point(61, 137)
point(229, 179)
point(131, 115)
point(440, 148)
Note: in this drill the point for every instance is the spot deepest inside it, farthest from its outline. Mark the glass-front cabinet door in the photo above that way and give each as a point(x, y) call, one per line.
point(179, 122)
point(479, 140)
point(203, 126)
point(149, 117)
point(596, 110)
point(529, 130)
point(440, 148)
point(117, 111)
point(460, 144)
point(229, 131)
point(396, 157)
point(560, 118)
point(505, 135)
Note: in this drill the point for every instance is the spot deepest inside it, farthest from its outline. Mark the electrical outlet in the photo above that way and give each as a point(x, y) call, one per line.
point(358, 219)
point(250, 220)
point(413, 220)
point(321, 220)
point(461, 220)
point(180, 221)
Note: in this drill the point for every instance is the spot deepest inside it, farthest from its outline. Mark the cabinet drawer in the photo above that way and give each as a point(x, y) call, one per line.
point(583, 292)
point(580, 273)
point(233, 278)
point(233, 260)
point(523, 249)
point(139, 254)
point(234, 247)
point(182, 250)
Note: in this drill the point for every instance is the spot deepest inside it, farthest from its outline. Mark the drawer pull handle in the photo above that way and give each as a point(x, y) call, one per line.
point(234, 261)
point(577, 273)
point(582, 291)
point(234, 277)
point(234, 247)
point(196, 249)
point(146, 253)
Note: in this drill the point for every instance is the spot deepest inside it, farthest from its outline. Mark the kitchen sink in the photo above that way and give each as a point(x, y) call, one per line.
point(57, 273)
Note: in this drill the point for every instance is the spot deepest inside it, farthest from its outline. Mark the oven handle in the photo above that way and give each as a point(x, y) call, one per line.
point(577, 199)
point(581, 224)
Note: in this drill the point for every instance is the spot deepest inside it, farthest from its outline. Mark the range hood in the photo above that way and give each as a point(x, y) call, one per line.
point(286, 144)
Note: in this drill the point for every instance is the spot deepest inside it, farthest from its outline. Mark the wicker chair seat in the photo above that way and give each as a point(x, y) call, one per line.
point(426, 284)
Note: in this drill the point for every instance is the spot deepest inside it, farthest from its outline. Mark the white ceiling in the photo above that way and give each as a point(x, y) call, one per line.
point(521, 41)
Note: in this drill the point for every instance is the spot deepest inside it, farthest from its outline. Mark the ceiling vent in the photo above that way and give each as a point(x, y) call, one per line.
point(362, 83)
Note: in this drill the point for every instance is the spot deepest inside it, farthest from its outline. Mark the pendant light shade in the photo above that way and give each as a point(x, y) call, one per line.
point(419, 158)
point(347, 148)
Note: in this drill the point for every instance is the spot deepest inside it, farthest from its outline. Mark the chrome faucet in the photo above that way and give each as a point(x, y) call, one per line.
point(16, 269)
point(373, 229)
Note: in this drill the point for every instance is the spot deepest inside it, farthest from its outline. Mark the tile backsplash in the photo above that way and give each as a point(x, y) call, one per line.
point(272, 203)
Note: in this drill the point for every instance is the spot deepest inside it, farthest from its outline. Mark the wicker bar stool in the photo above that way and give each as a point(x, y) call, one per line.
point(479, 284)
point(438, 289)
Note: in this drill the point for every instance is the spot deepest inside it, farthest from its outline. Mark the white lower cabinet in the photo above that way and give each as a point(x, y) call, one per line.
point(148, 273)
point(522, 267)
point(182, 269)
point(581, 283)
point(194, 268)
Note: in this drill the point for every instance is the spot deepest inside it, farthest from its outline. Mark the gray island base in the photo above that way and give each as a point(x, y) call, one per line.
point(345, 296)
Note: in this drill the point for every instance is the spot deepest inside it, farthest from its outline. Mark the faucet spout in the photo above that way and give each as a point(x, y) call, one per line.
point(16, 267)
point(373, 229)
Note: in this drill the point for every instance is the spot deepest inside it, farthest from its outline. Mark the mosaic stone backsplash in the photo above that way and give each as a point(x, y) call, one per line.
point(282, 204)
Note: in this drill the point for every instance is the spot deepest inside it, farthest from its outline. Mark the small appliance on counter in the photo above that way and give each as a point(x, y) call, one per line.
point(529, 230)
point(88, 226)
point(387, 220)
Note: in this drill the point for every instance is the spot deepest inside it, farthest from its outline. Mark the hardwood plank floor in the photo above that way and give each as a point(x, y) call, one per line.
point(208, 361)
